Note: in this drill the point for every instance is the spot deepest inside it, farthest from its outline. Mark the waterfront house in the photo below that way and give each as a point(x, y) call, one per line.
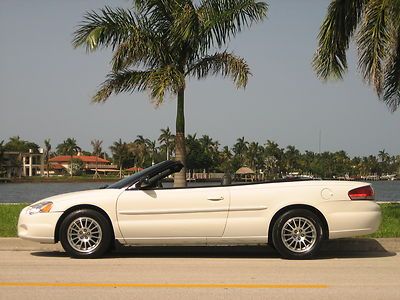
point(89, 163)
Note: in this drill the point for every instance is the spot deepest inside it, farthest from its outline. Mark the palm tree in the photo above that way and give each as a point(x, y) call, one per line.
point(376, 26)
point(255, 156)
point(140, 149)
point(152, 148)
point(119, 151)
point(166, 139)
point(240, 149)
point(158, 44)
point(47, 150)
point(1, 156)
point(97, 149)
point(292, 158)
point(69, 147)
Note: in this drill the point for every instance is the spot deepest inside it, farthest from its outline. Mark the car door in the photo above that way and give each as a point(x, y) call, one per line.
point(173, 215)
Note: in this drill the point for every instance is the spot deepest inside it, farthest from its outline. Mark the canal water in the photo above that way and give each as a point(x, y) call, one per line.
point(32, 192)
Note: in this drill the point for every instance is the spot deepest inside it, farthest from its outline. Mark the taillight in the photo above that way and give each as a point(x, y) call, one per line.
point(362, 193)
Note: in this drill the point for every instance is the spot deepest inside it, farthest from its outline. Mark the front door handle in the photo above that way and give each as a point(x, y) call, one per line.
point(215, 198)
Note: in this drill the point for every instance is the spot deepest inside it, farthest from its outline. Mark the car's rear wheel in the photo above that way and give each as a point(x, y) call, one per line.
point(85, 233)
point(297, 234)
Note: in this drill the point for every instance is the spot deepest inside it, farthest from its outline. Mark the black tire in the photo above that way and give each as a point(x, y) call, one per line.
point(297, 234)
point(85, 233)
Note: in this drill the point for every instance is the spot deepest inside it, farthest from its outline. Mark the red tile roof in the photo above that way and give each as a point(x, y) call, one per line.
point(83, 158)
point(56, 166)
point(134, 169)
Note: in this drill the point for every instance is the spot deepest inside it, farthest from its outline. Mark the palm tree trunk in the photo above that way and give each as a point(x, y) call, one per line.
point(167, 153)
point(70, 168)
point(180, 178)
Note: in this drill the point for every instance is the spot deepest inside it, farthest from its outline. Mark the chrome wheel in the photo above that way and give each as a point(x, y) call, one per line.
point(298, 234)
point(84, 234)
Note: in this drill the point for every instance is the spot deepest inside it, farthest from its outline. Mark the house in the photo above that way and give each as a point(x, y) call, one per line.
point(89, 163)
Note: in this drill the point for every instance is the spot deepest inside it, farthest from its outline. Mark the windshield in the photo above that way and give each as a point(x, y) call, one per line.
point(128, 181)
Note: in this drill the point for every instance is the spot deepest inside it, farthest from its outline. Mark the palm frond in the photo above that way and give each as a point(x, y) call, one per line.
point(109, 27)
point(186, 24)
point(373, 39)
point(223, 19)
point(391, 87)
point(123, 81)
point(167, 79)
point(226, 64)
point(333, 39)
point(143, 47)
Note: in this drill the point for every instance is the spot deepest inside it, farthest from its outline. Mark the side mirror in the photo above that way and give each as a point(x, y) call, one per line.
point(143, 183)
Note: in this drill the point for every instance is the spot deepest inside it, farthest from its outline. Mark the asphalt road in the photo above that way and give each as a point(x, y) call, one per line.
point(182, 273)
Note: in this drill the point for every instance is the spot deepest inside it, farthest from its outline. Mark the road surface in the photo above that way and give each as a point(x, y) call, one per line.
point(198, 273)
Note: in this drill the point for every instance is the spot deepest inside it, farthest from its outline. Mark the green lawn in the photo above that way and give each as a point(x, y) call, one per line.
point(390, 226)
point(9, 218)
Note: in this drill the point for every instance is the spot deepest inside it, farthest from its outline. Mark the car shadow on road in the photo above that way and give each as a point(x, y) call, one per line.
point(345, 248)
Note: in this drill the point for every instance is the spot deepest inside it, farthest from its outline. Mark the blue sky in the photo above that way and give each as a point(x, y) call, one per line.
point(46, 86)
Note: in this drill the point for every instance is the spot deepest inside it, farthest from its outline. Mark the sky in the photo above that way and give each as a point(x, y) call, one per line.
point(46, 87)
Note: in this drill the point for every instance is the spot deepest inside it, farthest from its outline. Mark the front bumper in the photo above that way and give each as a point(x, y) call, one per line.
point(38, 227)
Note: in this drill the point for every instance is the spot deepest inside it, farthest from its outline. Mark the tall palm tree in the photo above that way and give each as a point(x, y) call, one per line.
point(166, 139)
point(97, 149)
point(119, 151)
point(47, 150)
point(376, 26)
point(159, 43)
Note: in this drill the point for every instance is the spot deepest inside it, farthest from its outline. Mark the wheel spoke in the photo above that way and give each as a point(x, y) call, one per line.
point(84, 234)
point(298, 234)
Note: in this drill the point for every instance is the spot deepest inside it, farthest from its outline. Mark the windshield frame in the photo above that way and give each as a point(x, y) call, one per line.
point(131, 180)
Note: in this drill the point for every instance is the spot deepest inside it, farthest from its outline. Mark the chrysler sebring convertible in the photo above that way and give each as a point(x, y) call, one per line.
point(294, 217)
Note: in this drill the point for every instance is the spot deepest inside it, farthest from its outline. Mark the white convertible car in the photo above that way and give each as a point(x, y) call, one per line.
point(292, 216)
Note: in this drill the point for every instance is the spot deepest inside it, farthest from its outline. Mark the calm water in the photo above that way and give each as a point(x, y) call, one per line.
point(31, 192)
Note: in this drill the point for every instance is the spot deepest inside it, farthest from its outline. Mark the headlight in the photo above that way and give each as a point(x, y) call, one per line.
point(42, 207)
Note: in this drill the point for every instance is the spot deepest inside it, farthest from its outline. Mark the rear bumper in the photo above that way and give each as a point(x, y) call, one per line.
point(351, 218)
point(38, 227)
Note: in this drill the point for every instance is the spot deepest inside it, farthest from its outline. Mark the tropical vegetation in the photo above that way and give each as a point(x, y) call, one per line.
point(375, 27)
point(206, 155)
point(158, 44)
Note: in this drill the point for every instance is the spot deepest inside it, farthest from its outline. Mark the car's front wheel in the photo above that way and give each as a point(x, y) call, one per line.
point(85, 233)
point(297, 234)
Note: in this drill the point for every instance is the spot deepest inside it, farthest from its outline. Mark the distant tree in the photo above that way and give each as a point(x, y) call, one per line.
point(47, 149)
point(119, 151)
point(240, 149)
point(15, 144)
point(226, 160)
point(166, 139)
point(292, 159)
point(69, 147)
point(97, 149)
point(152, 149)
point(1, 157)
point(274, 158)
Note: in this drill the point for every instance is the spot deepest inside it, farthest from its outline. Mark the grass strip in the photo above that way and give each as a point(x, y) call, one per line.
point(389, 228)
point(9, 214)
